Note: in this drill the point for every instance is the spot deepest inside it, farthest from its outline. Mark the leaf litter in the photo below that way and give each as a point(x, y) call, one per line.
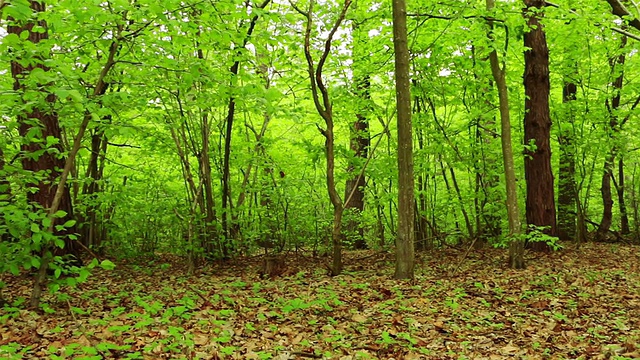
point(579, 303)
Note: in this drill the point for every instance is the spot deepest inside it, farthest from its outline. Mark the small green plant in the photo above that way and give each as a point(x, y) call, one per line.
point(537, 234)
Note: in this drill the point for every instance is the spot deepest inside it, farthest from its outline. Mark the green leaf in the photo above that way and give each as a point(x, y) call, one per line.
point(35, 262)
point(107, 265)
point(35, 228)
point(69, 224)
point(13, 268)
point(54, 287)
point(46, 222)
point(59, 243)
point(84, 274)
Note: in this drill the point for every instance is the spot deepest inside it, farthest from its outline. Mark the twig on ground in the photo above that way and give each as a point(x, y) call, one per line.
point(306, 354)
point(464, 256)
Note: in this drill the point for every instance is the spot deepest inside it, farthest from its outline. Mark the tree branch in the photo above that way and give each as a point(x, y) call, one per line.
point(616, 29)
point(618, 9)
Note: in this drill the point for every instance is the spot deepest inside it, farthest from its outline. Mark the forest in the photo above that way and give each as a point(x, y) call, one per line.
point(337, 179)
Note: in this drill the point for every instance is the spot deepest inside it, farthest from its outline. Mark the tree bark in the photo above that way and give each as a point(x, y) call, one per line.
point(516, 244)
point(227, 247)
point(44, 120)
point(90, 227)
point(624, 215)
point(324, 107)
point(359, 145)
point(540, 209)
point(617, 64)
point(405, 256)
point(5, 191)
point(567, 169)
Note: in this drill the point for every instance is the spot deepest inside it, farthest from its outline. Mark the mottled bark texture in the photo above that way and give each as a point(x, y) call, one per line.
point(38, 122)
point(359, 145)
point(406, 237)
point(567, 169)
point(540, 203)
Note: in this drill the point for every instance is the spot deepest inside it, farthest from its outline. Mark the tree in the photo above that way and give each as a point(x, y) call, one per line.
point(359, 142)
point(516, 244)
point(405, 256)
point(226, 187)
point(567, 192)
point(324, 107)
point(38, 124)
point(540, 203)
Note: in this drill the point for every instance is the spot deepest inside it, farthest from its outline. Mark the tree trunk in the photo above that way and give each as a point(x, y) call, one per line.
point(89, 224)
point(5, 187)
point(5, 191)
point(516, 244)
point(487, 222)
point(43, 118)
point(567, 169)
point(540, 209)
point(207, 242)
point(356, 182)
point(624, 216)
point(405, 256)
point(617, 64)
point(324, 107)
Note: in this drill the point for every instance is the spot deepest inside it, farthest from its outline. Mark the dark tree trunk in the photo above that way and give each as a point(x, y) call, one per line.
point(208, 244)
point(567, 169)
point(540, 204)
point(5, 191)
point(226, 191)
point(624, 216)
point(607, 199)
point(359, 144)
point(90, 227)
point(617, 64)
point(423, 238)
point(5, 188)
point(44, 121)
point(228, 246)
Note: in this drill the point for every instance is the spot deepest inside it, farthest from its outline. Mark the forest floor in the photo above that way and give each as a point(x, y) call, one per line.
point(575, 303)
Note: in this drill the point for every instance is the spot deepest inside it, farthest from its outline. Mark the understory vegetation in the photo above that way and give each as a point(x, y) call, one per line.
point(578, 303)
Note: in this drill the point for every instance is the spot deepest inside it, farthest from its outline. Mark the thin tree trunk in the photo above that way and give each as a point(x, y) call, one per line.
point(205, 168)
point(5, 191)
point(207, 241)
point(516, 244)
point(323, 105)
point(634, 206)
point(359, 144)
point(540, 209)
point(624, 216)
point(461, 203)
point(227, 248)
point(486, 179)
point(617, 64)
point(405, 240)
point(567, 170)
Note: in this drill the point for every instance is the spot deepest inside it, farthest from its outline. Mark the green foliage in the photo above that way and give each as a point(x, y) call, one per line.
point(538, 234)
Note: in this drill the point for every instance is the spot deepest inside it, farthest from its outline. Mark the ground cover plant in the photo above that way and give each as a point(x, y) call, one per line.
point(578, 304)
